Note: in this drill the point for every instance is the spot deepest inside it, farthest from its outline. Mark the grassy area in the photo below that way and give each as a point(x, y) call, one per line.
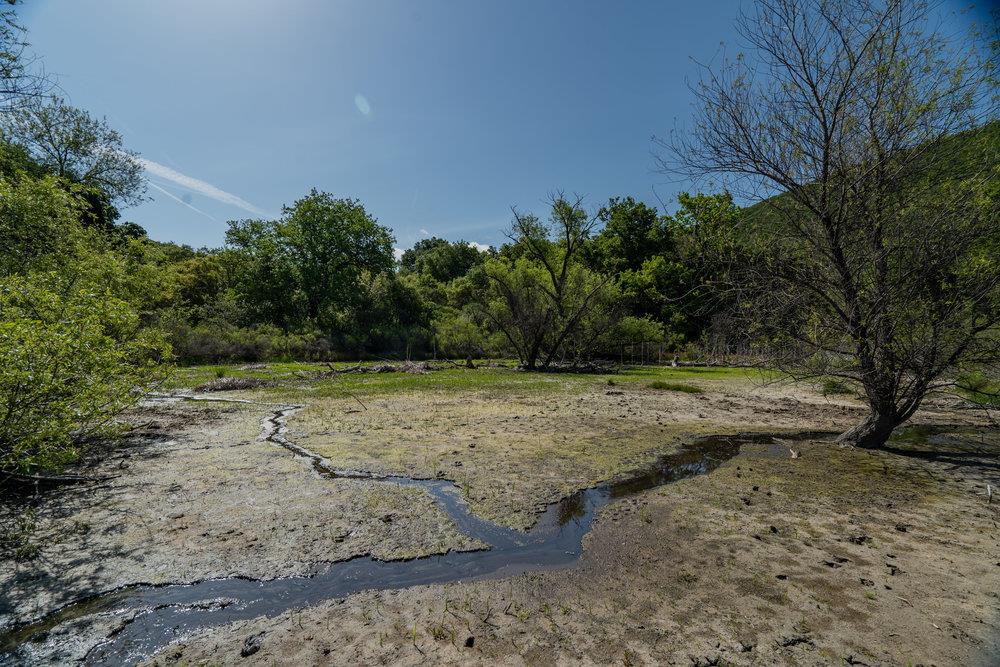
point(296, 377)
point(512, 440)
point(979, 389)
point(675, 386)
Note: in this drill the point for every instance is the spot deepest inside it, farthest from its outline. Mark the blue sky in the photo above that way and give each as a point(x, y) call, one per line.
point(438, 115)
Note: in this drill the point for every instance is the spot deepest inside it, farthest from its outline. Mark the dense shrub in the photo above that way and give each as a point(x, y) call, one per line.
point(218, 342)
point(71, 359)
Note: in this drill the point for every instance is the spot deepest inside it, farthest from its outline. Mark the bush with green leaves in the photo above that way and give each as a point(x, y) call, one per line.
point(72, 358)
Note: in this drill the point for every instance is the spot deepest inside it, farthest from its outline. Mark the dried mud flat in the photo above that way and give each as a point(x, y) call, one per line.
point(200, 496)
point(838, 555)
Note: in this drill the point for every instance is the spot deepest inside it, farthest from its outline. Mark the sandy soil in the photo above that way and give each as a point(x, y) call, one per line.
point(198, 496)
point(837, 557)
point(514, 453)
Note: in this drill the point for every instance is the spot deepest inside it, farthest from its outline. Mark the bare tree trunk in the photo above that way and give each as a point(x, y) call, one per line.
point(872, 433)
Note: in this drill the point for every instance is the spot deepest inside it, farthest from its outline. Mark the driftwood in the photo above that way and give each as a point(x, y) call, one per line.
point(585, 367)
point(404, 367)
point(232, 384)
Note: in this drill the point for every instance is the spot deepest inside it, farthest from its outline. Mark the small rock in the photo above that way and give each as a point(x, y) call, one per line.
point(469, 642)
point(252, 644)
point(901, 527)
point(867, 582)
point(774, 530)
point(782, 577)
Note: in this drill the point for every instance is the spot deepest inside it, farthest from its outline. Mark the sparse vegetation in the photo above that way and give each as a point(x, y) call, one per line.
point(835, 387)
point(675, 386)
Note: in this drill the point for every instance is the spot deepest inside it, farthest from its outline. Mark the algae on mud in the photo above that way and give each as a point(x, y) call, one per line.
point(161, 615)
point(765, 561)
point(218, 503)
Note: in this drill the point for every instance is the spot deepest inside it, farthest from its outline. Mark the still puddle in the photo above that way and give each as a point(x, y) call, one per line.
point(155, 616)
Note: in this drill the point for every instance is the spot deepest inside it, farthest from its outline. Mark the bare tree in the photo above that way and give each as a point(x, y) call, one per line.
point(877, 261)
point(21, 77)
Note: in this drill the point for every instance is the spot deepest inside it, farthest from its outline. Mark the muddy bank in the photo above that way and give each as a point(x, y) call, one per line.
point(513, 453)
point(158, 615)
point(199, 496)
point(837, 557)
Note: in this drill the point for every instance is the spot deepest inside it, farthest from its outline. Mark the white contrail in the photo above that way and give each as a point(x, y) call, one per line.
point(179, 200)
point(199, 186)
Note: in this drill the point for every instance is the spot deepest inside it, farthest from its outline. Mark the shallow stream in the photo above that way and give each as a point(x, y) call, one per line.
point(155, 616)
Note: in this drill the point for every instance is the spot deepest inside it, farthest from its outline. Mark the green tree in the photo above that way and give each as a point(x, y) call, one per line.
point(332, 242)
point(633, 232)
point(306, 268)
point(441, 260)
point(39, 225)
point(541, 295)
point(71, 144)
point(267, 279)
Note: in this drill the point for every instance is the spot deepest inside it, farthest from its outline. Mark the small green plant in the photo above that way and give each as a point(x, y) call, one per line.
point(675, 386)
point(438, 632)
point(220, 373)
point(15, 539)
point(688, 577)
point(833, 387)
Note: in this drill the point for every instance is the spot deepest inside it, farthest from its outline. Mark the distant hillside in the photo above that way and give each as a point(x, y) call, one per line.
point(954, 158)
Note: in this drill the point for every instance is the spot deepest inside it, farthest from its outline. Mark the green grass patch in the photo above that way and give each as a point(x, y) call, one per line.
point(979, 389)
point(300, 378)
point(834, 387)
point(675, 386)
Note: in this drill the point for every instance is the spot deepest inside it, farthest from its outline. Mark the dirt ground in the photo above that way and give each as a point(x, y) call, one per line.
point(515, 452)
point(197, 495)
point(837, 555)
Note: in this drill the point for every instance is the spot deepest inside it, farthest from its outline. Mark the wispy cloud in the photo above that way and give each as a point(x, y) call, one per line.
point(479, 246)
point(397, 253)
point(199, 186)
point(179, 200)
